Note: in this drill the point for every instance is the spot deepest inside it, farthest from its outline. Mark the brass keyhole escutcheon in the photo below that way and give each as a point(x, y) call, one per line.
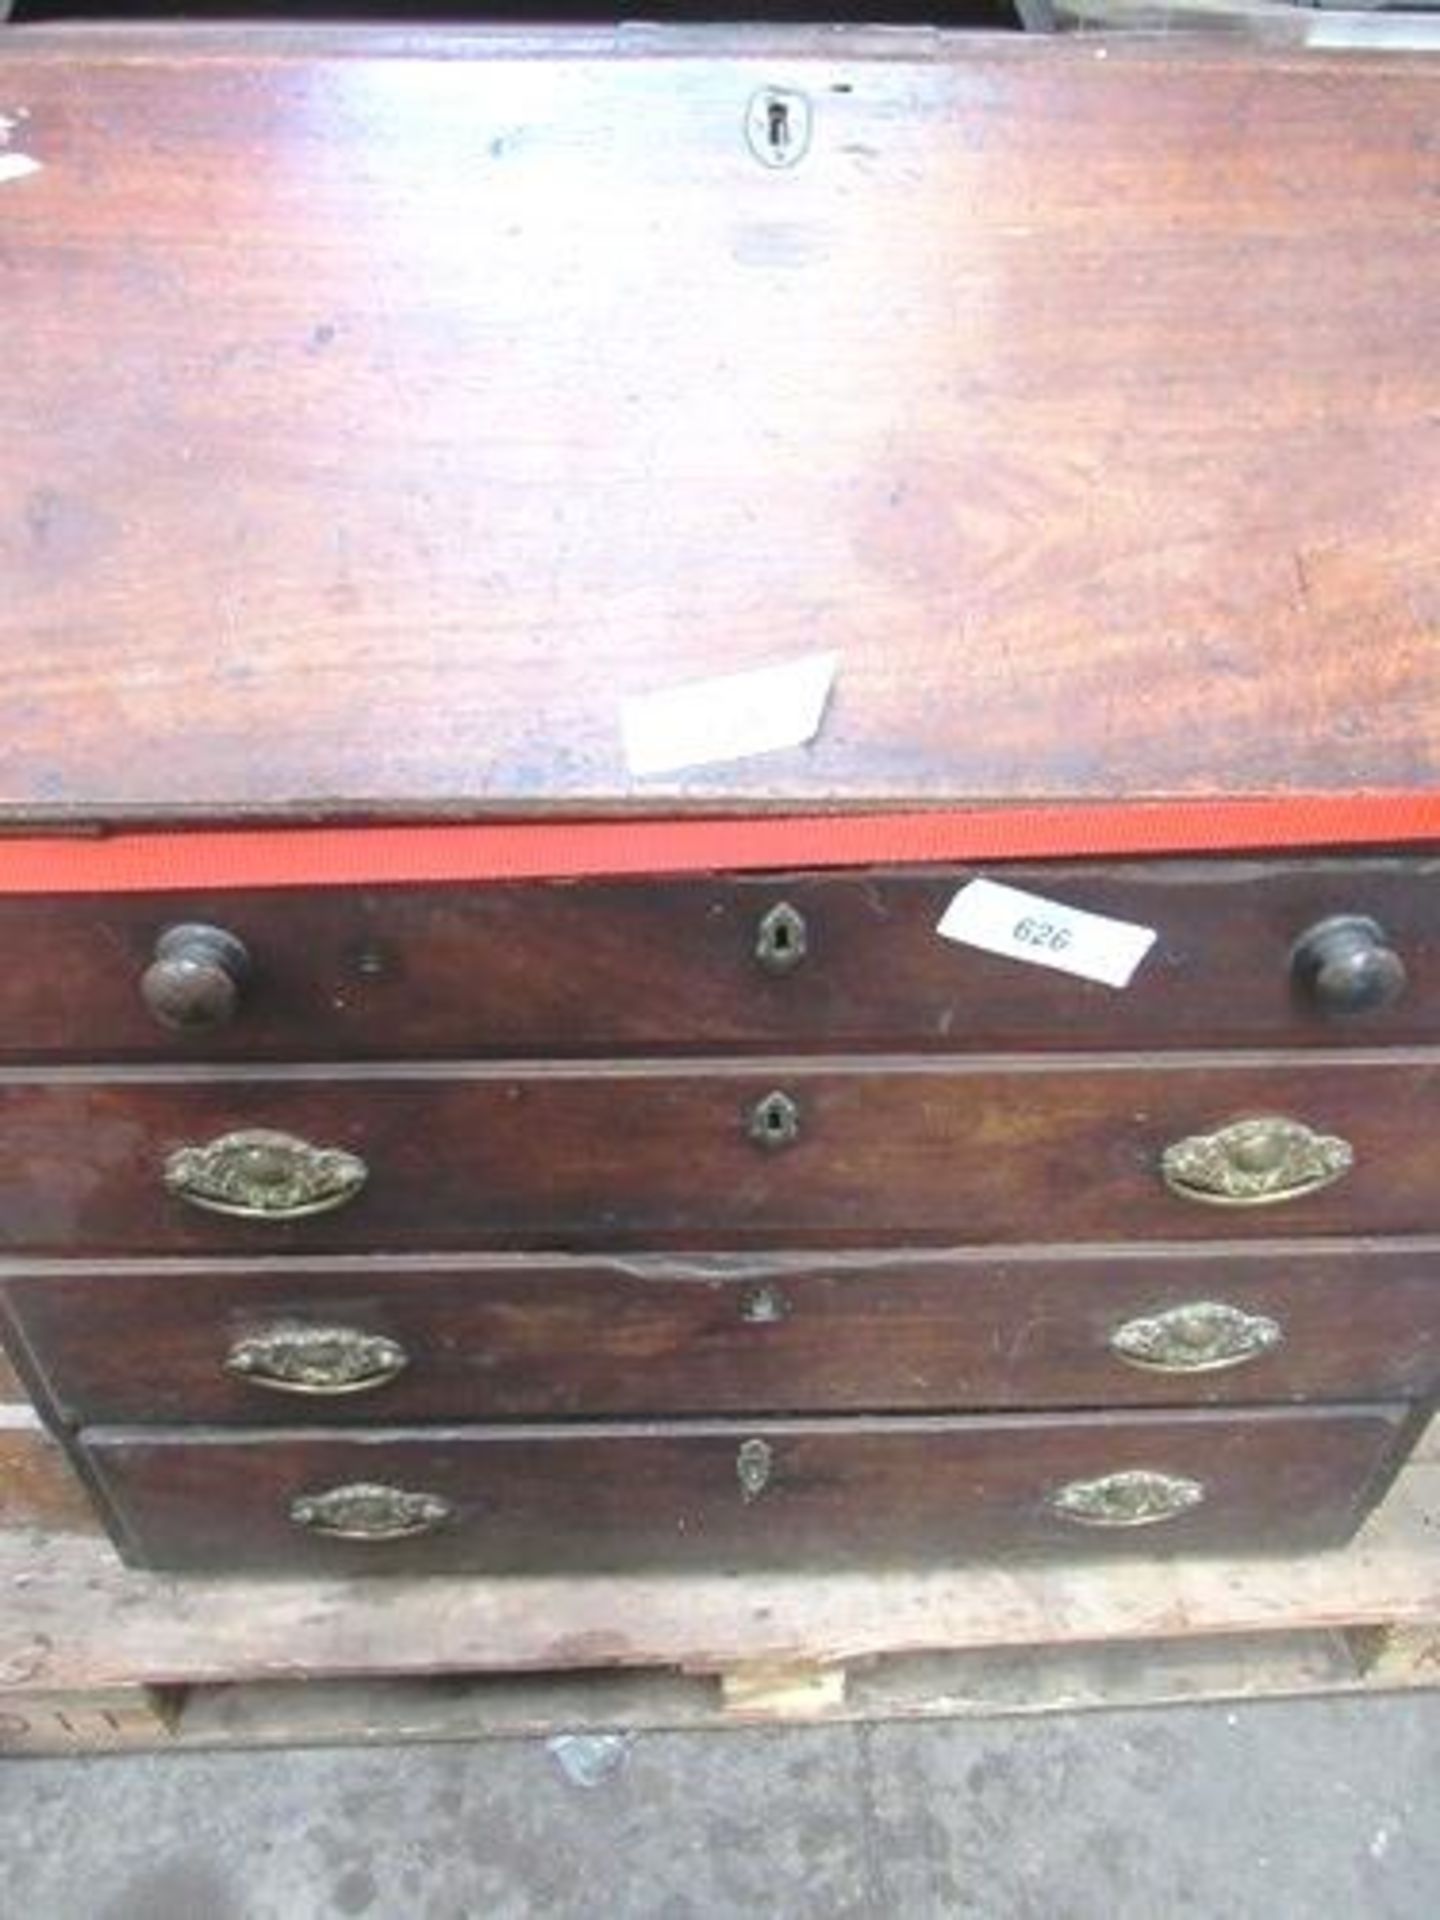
point(782, 938)
point(753, 1466)
point(774, 1122)
point(777, 126)
point(763, 1306)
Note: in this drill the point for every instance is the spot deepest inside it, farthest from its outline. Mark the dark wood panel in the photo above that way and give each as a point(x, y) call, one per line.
point(660, 1156)
point(670, 965)
point(877, 1492)
point(482, 1339)
point(1080, 405)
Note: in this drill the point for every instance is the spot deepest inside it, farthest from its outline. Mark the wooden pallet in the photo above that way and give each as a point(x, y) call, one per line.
point(94, 1656)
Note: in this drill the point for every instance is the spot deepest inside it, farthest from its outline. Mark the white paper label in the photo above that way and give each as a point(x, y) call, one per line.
point(1022, 926)
point(730, 718)
point(17, 166)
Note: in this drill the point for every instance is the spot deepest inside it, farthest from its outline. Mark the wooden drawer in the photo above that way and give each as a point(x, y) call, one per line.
point(671, 966)
point(791, 1493)
point(664, 1155)
point(355, 1340)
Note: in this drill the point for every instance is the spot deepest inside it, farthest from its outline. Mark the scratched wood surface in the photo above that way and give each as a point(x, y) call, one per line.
point(754, 1156)
point(380, 409)
point(86, 1621)
point(675, 966)
point(495, 1338)
point(650, 1496)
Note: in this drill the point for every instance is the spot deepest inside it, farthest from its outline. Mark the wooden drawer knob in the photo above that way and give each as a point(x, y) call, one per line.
point(196, 978)
point(1347, 965)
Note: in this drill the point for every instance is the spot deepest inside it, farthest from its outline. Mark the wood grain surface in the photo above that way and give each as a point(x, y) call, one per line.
point(654, 1156)
point(669, 965)
point(89, 1622)
point(379, 411)
point(38, 1486)
point(494, 1338)
point(604, 1498)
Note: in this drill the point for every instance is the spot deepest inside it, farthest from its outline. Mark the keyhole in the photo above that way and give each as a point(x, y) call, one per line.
point(777, 126)
point(781, 938)
point(763, 1307)
point(774, 1121)
point(753, 1465)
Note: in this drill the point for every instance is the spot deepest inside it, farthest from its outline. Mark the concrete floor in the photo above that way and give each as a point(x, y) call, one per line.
point(1311, 1809)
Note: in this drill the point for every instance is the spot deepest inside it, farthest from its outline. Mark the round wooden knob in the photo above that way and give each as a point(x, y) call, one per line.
point(196, 978)
point(1347, 965)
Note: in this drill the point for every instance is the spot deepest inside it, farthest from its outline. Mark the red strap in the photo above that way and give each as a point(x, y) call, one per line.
point(181, 861)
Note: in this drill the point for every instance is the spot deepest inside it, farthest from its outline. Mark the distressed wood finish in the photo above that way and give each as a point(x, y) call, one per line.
point(506, 1337)
point(38, 1486)
point(839, 1493)
point(659, 1156)
point(89, 1622)
point(669, 966)
point(1078, 397)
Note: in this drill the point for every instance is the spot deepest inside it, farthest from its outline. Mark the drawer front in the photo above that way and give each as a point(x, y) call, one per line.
point(342, 1341)
point(846, 961)
point(777, 1494)
point(779, 1154)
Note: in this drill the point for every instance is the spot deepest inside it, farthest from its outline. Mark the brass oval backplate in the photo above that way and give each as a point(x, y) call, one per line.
point(262, 1175)
point(323, 1361)
point(1137, 1497)
point(369, 1512)
point(1255, 1163)
point(1202, 1336)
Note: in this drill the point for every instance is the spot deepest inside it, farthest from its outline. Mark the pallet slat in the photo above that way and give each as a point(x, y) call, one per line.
point(998, 1682)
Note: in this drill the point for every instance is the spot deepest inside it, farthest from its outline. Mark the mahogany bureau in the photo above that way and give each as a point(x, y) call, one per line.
point(383, 411)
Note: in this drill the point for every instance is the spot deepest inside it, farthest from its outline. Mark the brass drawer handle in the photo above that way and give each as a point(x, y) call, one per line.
point(1255, 1163)
point(1137, 1497)
point(260, 1175)
point(1203, 1336)
point(327, 1361)
point(363, 1511)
